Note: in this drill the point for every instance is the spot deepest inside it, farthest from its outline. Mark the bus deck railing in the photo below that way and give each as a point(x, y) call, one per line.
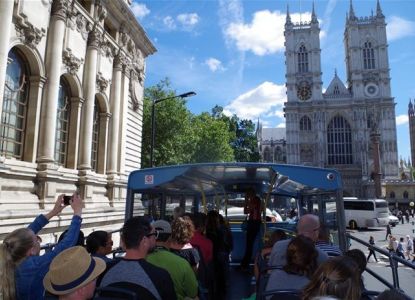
point(393, 261)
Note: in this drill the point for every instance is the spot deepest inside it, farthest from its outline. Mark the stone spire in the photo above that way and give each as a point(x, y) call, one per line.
point(313, 16)
point(379, 13)
point(288, 17)
point(411, 111)
point(352, 16)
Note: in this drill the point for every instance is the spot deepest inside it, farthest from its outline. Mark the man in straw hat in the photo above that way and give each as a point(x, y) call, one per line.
point(132, 272)
point(72, 274)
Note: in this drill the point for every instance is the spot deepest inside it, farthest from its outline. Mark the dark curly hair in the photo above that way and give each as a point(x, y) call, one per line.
point(182, 230)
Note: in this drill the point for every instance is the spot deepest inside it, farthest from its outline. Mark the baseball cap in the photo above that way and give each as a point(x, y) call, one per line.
point(162, 226)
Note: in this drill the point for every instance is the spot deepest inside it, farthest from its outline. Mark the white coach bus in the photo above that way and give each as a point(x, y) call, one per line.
point(363, 213)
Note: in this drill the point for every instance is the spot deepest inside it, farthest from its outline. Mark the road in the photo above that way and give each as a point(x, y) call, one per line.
point(406, 274)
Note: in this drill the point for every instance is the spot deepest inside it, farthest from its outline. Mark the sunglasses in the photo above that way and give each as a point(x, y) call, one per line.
point(155, 233)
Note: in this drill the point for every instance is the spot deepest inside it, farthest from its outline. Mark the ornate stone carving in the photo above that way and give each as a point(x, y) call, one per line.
point(102, 83)
point(108, 49)
point(136, 89)
point(60, 8)
point(101, 10)
point(81, 25)
point(71, 62)
point(120, 61)
point(94, 38)
point(27, 33)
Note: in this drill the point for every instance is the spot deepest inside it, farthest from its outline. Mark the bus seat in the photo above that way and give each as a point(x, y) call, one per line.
point(109, 292)
point(369, 295)
point(281, 294)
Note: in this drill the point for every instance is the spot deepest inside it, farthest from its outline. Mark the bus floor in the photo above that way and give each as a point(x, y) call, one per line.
point(241, 284)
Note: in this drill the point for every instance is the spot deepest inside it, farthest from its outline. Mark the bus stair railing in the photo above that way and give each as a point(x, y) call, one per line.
point(393, 262)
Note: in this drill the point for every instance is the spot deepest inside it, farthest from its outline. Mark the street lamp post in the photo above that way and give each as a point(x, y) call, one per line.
point(153, 120)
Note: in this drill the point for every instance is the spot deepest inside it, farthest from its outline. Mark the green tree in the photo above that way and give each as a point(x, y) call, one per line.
point(182, 137)
point(172, 121)
point(244, 142)
point(211, 139)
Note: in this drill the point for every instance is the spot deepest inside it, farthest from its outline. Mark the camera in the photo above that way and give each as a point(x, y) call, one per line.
point(67, 200)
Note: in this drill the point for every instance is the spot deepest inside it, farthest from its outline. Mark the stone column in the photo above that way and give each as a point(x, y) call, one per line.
point(375, 139)
point(115, 110)
point(51, 91)
point(104, 119)
point(89, 94)
point(6, 14)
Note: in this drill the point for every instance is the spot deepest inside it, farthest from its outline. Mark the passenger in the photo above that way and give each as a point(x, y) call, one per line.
point(79, 242)
point(178, 212)
point(359, 257)
point(99, 244)
point(132, 272)
point(308, 226)
point(182, 232)
point(22, 269)
point(199, 240)
point(72, 274)
point(338, 277)
point(261, 260)
point(205, 272)
point(220, 252)
point(184, 279)
point(252, 207)
point(391, 295)
point(301, 264)
point(324, 243)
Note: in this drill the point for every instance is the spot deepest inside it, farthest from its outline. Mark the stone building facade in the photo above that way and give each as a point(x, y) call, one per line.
point(348, 127)
point(71, 86)
point(271, 144)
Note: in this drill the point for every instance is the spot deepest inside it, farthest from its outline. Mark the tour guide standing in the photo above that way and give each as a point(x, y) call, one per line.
point(253, 209)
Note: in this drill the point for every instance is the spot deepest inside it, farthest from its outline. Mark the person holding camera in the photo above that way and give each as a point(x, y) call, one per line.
point(21, 268)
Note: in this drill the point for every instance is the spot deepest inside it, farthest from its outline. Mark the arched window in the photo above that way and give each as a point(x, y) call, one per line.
point(278, 155)
point(267, 155)
point(15, 98)
point(62, 123)
point(368, 56)
point(95, 138)
point(302, 57)
point(392, 195)
point(405, 195)
point(339, 142)
point(305, 123)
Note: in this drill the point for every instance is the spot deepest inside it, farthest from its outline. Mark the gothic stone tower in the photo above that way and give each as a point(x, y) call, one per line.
point(411, 117)
point(333, 129)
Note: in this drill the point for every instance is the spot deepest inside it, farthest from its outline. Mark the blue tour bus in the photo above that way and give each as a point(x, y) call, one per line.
point(287, 192)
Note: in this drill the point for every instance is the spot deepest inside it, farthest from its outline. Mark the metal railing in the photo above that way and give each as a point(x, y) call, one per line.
point(393, 261)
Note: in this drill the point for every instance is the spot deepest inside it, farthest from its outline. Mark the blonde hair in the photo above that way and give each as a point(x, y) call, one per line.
point(12, 252)
point(182, 230)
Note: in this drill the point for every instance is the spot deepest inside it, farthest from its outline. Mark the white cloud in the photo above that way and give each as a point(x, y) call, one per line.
point(399, 28)
point(264, 98)
point(265, 34)
point(402, 119)
point(169, 23)
point(281, 125)
point(139, 10)
point(214, 64)
point(188, 21)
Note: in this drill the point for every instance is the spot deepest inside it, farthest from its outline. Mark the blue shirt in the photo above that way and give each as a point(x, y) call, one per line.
point(30, 273)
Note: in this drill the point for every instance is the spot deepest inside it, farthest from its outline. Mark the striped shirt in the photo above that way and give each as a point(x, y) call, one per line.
point(329, 248)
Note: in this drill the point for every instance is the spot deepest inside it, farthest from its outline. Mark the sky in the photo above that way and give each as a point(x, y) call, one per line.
point(231, 52)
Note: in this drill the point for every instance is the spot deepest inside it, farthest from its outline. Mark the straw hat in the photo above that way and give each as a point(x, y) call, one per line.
point(72, 269)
